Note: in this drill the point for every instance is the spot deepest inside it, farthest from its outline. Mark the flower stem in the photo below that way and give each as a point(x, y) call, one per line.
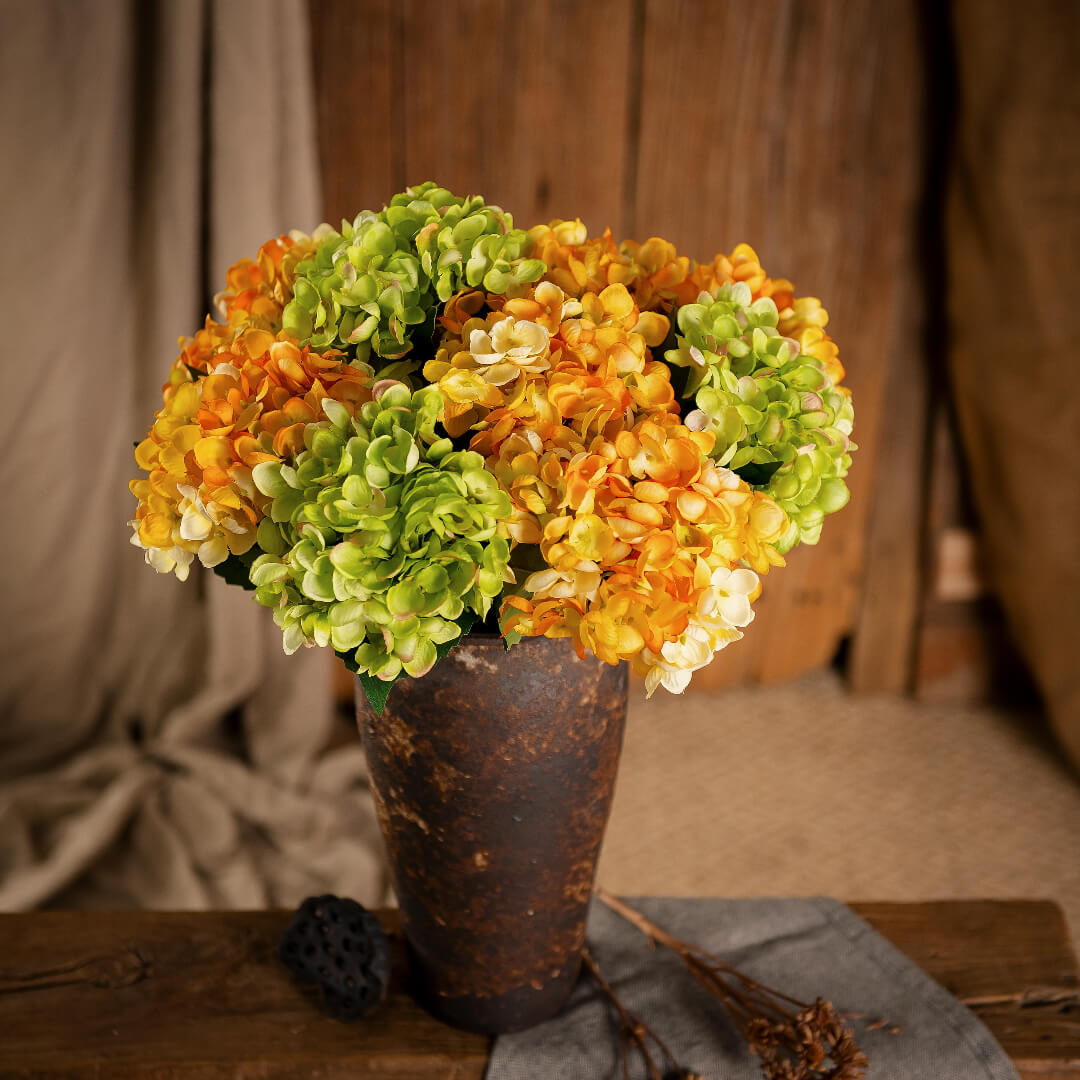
point(809, 1043)
point(634, 1033)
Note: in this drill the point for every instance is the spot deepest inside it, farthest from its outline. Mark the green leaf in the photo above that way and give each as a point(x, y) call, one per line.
point(195, 373)
point(378, 690)
point(236, 569)
point(757, 473)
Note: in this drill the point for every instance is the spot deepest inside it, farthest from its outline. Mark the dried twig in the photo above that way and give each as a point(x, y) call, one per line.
point(636, 1035)
point(795, 1040)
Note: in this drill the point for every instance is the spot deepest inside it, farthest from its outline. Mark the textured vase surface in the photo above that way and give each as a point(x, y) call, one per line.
point(493, 777)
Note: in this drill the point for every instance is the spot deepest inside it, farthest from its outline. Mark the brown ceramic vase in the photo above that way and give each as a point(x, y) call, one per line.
point(493, 777)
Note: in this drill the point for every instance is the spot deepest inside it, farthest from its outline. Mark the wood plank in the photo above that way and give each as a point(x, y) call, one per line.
point(890, 601)
point(354, 46)
point(160, 996)
point(537, 121)
point(1010, 962)
point(541, 128)
point(928, 623)
point(796, 129)
point(165, 996)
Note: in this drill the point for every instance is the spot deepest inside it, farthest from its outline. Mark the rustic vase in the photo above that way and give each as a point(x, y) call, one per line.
point(492, 777)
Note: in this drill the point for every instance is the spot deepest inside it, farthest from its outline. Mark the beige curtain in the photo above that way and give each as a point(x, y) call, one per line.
point(1014, 266)
point(156, 746)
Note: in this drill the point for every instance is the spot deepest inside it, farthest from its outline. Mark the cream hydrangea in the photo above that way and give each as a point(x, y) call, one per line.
point(724, 608)
point(174, 560)
point(510, 347)
point(581, 581)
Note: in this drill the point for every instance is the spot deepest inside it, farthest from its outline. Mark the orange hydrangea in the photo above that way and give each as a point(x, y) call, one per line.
point(636, 530)
point(741, 265)
point(257, 290)
point(632, 531)
point(653, 272)
point(544, 358)
point(262, 391)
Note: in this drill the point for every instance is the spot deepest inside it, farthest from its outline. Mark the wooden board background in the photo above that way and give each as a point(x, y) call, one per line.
point(795, 126)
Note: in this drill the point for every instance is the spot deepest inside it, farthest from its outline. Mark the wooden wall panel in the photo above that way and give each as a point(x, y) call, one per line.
point(794, 126)
point(535, 119)
point(353, 49)
point(889, 604)
point(491, 96)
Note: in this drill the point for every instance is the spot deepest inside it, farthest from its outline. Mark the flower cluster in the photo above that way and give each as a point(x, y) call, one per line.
point(653, 271)
point(380, 535)
point(430, 415)
point(252, 406)
point(373, 285)
point(644, 549)
point(641, 539)
point(767, 385)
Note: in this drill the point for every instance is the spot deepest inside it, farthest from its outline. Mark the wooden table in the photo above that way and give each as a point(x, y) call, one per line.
point(162, 996)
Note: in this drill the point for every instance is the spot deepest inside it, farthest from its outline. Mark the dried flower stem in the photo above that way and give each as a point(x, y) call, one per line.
point(634, 1033)
point(795, 1040)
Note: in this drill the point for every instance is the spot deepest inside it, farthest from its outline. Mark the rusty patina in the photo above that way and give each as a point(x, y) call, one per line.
point(493, 777)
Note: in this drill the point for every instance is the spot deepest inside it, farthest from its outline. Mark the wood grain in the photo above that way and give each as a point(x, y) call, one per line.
point(173, 996)
point(163, 996)
point(1010, 962)
point(407, 94)
point(893, 588)
point(354, 51)
point(537, 124)
point(795, 127)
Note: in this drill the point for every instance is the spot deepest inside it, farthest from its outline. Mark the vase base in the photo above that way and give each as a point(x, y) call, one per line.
point(495, 1014)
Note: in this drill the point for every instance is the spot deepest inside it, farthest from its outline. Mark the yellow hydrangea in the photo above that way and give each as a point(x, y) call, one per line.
point(543, 358)
point(261, 393)
point(640, 536)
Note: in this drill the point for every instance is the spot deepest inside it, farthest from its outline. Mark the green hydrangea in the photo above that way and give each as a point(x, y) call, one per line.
point(381, 536)
point(473, 244)
point(776, 413)
point(373, 286)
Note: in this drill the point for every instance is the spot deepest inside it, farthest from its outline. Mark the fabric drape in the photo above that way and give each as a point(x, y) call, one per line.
point(1013, 238)
point(156, 746)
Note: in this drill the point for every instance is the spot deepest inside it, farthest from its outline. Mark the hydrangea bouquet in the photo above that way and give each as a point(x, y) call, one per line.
point(428, 419)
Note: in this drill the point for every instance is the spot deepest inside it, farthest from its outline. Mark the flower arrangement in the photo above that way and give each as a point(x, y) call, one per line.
point(430, 418)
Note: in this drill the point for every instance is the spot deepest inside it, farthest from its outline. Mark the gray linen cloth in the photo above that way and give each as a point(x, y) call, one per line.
point(807, 948)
